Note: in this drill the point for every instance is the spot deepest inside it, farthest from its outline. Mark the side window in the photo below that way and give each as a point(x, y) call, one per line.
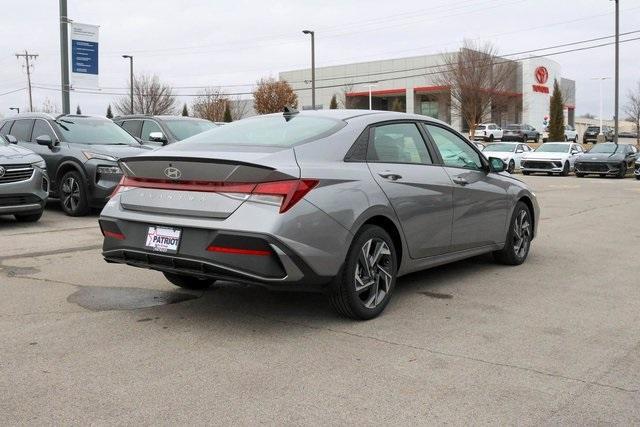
point(21, 129)
point(397, 143)
point(492, 127)
point(41, 128)
point(4, 130)
point(454, 150)
point(133, 127)
point(148, 127)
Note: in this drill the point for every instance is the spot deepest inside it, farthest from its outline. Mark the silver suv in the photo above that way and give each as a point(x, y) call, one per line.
point(24, 184)
point(339, 201)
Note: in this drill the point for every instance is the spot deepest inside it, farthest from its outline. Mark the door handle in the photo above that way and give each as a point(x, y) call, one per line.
point(390, 175)
point(460, 181)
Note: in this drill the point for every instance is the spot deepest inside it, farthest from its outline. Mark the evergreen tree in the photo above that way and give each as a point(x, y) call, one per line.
point(109, 113)
point(556, 114)
point(334, 103)
point(78, 110)
point(227, 114)
point(185, 111)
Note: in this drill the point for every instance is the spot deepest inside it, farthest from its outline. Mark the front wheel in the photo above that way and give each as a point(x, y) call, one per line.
point(491, 138)
point(364, 287)
point(189, 282)
point(565, 169)
point(623, 171)
point(73, 194)
point(525, 172)
point(638, 177)
point(518, 242)
point(579, 175)
point(512, 166)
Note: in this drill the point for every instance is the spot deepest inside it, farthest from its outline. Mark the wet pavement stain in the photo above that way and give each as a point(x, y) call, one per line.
point(111, 298)
point(436, 295)
point(19, 271)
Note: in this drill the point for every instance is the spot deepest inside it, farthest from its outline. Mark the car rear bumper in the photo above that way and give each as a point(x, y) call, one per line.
point(301, 249)
point(27, 196)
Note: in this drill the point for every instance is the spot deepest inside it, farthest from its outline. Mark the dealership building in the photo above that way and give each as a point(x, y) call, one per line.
point(411, 85)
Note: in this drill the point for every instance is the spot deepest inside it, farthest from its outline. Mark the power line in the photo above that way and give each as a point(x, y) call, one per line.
point(12, 91)
point(377, 80)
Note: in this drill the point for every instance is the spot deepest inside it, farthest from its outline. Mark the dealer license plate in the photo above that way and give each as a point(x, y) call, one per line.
point(163, 239)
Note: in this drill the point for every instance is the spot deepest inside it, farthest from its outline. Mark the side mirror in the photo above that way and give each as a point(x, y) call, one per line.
point(11, 139)
point(519, 151)
point(45, 140)
point(574, 152)
point(497, 165)
point(157, 137)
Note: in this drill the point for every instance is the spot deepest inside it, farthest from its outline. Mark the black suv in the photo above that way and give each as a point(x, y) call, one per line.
point(591, 134)
point(162, 130)
point(81, 153)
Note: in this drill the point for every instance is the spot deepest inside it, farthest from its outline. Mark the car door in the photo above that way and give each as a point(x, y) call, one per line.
point(479, 196)
point(574, 152)
point(419, 191)
point(518, 154)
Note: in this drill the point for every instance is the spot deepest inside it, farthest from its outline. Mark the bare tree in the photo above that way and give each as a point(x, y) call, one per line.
point(344, 99)
point(150, 96)
point(632, 109)
point(50, 107)
point(239, 107)
point(210, 104)
point(479, 81)
point(271, 96)
point(588, 116)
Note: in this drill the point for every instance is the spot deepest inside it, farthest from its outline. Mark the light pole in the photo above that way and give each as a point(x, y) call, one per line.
point(600, 134)
point(617, 77)
point(64, 57)
point(130, 78)
point(313, 67)
point(16, 109)
point(370, 97)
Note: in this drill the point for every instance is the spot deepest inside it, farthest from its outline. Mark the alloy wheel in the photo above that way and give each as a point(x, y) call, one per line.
point(71, 194)
point(521, 234)
point(373, 273)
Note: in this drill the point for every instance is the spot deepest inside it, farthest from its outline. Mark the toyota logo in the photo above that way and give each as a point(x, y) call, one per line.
point(542, 75)
point(172, 173)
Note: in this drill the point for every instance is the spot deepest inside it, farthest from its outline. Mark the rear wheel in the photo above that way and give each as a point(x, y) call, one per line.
point(512, 166)
point(491, 138)
point(565, 169)
point(368, 277)
point(189, 282)
point(73, 194)
point(32, 217)
point(525, 172)
point(579, 175)
point(518, 242)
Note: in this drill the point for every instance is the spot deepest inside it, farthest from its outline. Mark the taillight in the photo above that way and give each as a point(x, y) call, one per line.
point(118, 188)
point(280, 193)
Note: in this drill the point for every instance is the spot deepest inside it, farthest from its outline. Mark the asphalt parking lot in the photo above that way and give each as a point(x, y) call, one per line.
point(556, 340)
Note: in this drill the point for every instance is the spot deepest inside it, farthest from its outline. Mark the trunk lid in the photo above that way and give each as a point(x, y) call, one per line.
point(203, 183)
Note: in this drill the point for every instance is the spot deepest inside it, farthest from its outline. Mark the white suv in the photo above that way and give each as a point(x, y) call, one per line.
point(570, 134)
point(487, 132)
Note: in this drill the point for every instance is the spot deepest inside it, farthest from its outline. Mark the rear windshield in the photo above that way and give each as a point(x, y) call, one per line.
point(514, 127)
point(183, 129)
point(592, 128)
point(93, 131)
point(552, 148)
point(481, 127)
point(270, 130)
point(501, 148)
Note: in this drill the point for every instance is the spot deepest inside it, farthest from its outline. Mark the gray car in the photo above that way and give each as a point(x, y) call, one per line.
point(339, 201)
point(81, 153)
point(162, 130)
point(24, 184)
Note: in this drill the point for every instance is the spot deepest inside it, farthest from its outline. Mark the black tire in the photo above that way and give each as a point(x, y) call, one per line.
point(491, 138)
point(517, 244)
point(579, 175)
point(566, 139)
point(603, 175)
point(549, 173)
point(30, 217)
point(638, 177)
point(511, 167)
point(526, 173)
point(623, 171)
point(72, 191)
point(362, 304)
point(565, 169)
point(575, 139)
point(189, 282)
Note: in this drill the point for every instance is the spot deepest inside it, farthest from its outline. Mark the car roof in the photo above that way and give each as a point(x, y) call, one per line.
point(158, 117)
point(47, 116)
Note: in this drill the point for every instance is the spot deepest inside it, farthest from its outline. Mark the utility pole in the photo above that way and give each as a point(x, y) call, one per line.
point(64, 57)
point(617, 77)
point(27, 57)
point(313, 67)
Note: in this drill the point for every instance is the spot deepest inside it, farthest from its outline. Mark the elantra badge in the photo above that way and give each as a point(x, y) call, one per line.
point(172, 173)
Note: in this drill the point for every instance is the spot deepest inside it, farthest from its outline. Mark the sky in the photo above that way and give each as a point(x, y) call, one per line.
point(197, 43)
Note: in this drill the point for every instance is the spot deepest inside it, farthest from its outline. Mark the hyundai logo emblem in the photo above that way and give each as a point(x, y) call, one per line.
point(2, 171)
point(172, 173)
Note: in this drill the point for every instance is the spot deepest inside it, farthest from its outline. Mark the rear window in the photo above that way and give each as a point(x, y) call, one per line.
point(183, 129)
point(514, 127)
point(271, 130)
point(593, 128)
point(93, 131)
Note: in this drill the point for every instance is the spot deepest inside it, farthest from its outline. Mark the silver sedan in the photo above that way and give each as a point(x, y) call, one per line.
point(338, 201)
